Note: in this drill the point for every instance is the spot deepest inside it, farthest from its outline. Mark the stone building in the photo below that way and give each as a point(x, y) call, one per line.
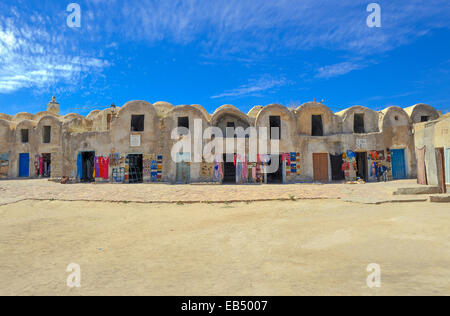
point(133, 143)
point(432, 145)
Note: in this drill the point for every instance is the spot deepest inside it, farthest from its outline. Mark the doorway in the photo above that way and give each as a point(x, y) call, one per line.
point(46, 165)
point(229, 169)
point(421, 166)
point(317, 125)
point(183, 171)
point(24, 165)
point(447, 166)
point(398, 164)
point(361, 163)
point(87, 166)
point(136, 168)
point(440, 160)
point(336, 168)
point(277, 176)
point(320, 166)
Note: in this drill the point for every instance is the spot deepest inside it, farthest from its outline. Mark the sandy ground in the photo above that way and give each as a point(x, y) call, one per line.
point(263, 248)
point(13, 191)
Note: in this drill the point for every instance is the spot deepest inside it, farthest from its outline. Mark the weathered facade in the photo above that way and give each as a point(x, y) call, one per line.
point(432, 145)
point(133, 144)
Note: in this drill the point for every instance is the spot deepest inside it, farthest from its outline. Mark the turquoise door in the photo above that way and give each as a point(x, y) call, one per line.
point(24, 165)
point(447, 165)
point(398, 164)
point(183, 168)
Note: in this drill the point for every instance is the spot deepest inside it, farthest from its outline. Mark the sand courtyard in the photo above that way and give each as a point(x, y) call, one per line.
point(304, 247)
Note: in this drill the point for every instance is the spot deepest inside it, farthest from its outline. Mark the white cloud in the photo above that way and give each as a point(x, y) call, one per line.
point(254, 87)
point(33, 57)
point(234, 26)
point(337, 69)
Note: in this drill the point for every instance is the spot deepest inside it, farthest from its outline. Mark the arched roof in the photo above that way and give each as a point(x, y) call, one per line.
point(137, 103)
point(390, 112)
point(41, 114)
point(203, 110)
point(50, 118)
point(162, 107)
point(187, 108)
point(371, 119)
point(314, 105)
point(255, 111)
point(417, 110)
point(23, 116)
point(93, 114)
point(5, 117)
point(228, 109)
point(272, 107)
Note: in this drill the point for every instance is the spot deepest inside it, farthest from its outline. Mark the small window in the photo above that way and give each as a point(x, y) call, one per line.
point(359, 123)
point(275, 122)
point(25, 136)
point(108, 122)
point(137, 123)
point(233, 126)
point(183, 122)
point(317, 125)
point(424, 118)
point(47, 136)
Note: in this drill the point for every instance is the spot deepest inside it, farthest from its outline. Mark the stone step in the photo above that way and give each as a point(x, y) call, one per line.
point(441, 198)
point(425, 189)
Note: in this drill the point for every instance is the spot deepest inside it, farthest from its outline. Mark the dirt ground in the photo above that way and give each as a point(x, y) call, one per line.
point(318, 247)
point(13, 191)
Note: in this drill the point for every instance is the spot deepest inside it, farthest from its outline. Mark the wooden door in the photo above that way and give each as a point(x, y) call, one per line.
point(320, 165)
point(421, 168)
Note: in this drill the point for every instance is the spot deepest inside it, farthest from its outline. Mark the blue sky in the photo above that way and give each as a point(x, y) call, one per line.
point(214, 52)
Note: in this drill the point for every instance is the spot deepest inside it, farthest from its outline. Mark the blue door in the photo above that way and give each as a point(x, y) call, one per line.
point(398, 164)
point(24, 165)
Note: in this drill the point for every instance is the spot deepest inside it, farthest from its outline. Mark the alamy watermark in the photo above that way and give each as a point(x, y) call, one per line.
point(374, 19)
point(74, 278)
point(211, 146)
point(374, 278)
point(74, 18)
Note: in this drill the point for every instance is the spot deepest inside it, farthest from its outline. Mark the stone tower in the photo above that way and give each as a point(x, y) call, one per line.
point(53, 106)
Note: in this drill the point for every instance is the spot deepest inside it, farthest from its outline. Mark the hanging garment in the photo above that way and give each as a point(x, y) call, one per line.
point(216, 171)
point(286, 157)
point(41, 166)
point(106, 168)
point(96, 167)
point(421, 168)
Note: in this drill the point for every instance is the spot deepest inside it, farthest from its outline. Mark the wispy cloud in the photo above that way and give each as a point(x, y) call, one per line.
point(337, 69)
point(36, 57)
point(233, 26)
point(254, 87)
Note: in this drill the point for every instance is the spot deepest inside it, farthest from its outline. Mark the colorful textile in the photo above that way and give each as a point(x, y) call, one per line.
point(351, 154)
point(96, 167)
point(41, 166)
point(286, 157)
